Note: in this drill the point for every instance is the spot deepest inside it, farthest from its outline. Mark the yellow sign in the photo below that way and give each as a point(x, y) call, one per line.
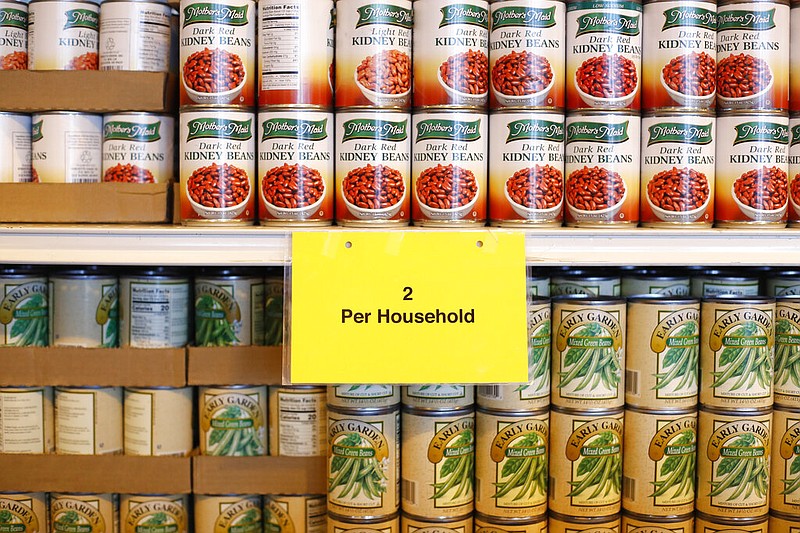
point(408, 307)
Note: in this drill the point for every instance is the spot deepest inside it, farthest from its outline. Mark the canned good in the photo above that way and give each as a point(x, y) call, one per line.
point(752, 166)
point(363, 396)
point(217, 49)
point(15, 138)
point(538, 285)
point(217, 166)
point(363, 462)
point(27, 511)
point(88, 420)
point(137, 147)
point(340, 524)
point(784, 480)
point(526, 171)
point(511, 463)
point(233, 420)
point(718, 524)
point(154, 305)
point(787, 351)
point(273, 308)
point(714, 282)
point(588, 352)
point(654, 283)
point(490, 524)
point(297, 421)
point(66, 147)
point(794, 157)
point(84, 308)
point(753, 38)
point(295, 167)
point(780, 523)
point(295, 63)
point(602, 153)
point(164, 512)
point(373, 165)
point(451, 46)
point(228, 308)
point(235, 512)
point(158, 421)
point(24, 308)
point(438, 454)
point(14, 44)
point(26, 421)
point(633, 523)
point(737, 349)
point(63, 35)
point(91, 513)
point(586, 282)
point(794, 57)
point(135, 35)
point(575, 524)
point(412, 524)
point(373, 53)
point(663, 353)
point(284, 513)
point(438, 396)
point(782, 283)
point(450, 165)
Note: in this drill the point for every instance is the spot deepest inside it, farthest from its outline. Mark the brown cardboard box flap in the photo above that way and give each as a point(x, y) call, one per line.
point(124, 367)
point(99, 91)
point(125, 203)
point(95, 473)
point(233, 365)
point(259, 475)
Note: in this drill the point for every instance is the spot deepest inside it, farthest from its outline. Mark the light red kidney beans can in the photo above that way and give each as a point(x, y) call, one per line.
point(602, 166)
point(451, 47)
point(794, 58)
point(295, 167)
point(66, 147)
point(15, 147)
point(752, 169)
point(753, 55)
point(217, 53)
point(373, 168)
point(373, 53)
point(135, 35)
point(604, 54)
point(295, 61)
point(14, 40)
point(526, 174)
point(678, 163)
point(680, 55)
point(450, 168)
point(63, 35)
point(526, 53)
point(138, 148)
point(217, 166)
point(794, 169)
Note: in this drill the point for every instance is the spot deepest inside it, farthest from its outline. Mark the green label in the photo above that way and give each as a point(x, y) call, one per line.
point(207, 13)
point(528, 129)
point(597, 132)
point(451, 130)
point(36, 131)
point(740, 19)
point(796, 135)
point(605, 22)
point(384, 130)
point(153, 528)
point(81, 18)
point(13, 18)
point(292, 128)
point(679, 17)
point(529, 17)
point(464, 14)
point(384, 14)
point(220, 128)
point(677, 132)
point(761, 132)
point(131, 131)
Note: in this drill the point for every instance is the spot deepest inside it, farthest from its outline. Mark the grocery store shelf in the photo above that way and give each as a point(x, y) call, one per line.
point(175, 245)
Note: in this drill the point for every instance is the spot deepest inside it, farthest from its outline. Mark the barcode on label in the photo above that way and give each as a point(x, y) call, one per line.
point(629, 488)
point(84, 180)
point(409, 490)
point(490, 392)
point(632, 382)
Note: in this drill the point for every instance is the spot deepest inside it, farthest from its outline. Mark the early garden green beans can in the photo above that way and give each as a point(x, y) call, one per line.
point(233, 420)
point(715, 282)
point(154, 308)
point(84, 308)
point(228, 308)
point(384, 524)
point(780, 523)
point(357, 396)
point(24, 309)
point(89, 420)
point(590, 283)
point(782, 283)
point(158, 421)
point(655, 282)
point(436, 396)
point(92, 513)
point(288, 513)
point(634, 523)
point(785, 477)
point(297, 421)
point(491, 524)
point(413, 524)
point(559, 523)
point(139, 512)
point(787, 351)
point(26, 420)
point(26, 511)
point(227, 513)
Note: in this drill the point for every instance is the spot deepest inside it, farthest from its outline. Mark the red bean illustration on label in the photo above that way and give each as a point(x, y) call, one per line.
point(794, 171)
point(13, 36)
point(138, 148)
point(63, 35)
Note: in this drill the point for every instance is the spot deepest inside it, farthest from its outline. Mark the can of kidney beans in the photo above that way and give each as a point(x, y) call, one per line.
point(604, 54)
point(602, 168)
point(295, 167)
point(450, 168)
point(66, 147)
point(680, 51)
point(526, 53)
point(373, 168)
point(15, 145)
point(794, 167)
point(451, 46)
point(138, 147)
point(217, 53)
point(677, 177)
point(135, 35)
point(493, 524)
point(14, 43)
point(295, 61)
point(63, 35)
point(217, 166)
point(753, 54)
point(526, 172)
point(787, 352)
point(751, 169)
point(373, 53)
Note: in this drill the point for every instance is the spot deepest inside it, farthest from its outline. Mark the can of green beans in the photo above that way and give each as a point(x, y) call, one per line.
point(356, 396)
point(27, 420)
point(227, 513)
point(25, 512)
point(88, 420)
point(785, 466)
point(585, 462)
point(588, 351)
point(733, 462)
point(652, 281)
point(289, 513)
point(705, 523)
point(511, 463)
point(273, 308)
point(636, 523)
point(84, 308)
point(415, 524)
point(438, 396)
point(784, 283)
point(538, 285)
point(84, 512)
point(156, 513)
point(384, 524)
point(783, 523)
point(589, 282)
point(228, 308)
point(23, 307)
point(233, 420)
point(787, 351)
point(297, 421)
point(559, 523)
point(154, 308)
point(737, 347)
point(663, 352)
point(658, 466)
point(158, 421)
point(715, 282)
point(491, 524)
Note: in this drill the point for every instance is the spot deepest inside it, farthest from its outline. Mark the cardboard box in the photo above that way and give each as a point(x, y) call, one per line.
point(259, 475)
point(100, 91)
point(96, 473)
point(233, 365)
point(128, 367)
point(125, 203)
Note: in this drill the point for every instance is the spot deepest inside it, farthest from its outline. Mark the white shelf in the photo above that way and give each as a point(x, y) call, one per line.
point(175, 245)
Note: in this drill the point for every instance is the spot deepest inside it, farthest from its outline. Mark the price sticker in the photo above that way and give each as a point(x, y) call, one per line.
point(408, 307)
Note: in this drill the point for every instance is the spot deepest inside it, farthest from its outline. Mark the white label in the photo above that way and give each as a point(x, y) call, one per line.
point(75, 422)
point(158, 314)
point(134, 37)
point(22, 422)
point(280, 46)
point(83, 161)
point(300, 430)
point(138, 423)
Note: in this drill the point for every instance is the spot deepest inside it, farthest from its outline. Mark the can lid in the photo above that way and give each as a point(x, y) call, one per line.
point(667, 412)
point(614, 411)
point(734, 298)
point(363, 520)
point(588, 299)
point(364, 411)
point(658, 299)
point(520, 413)
point(9, 271)
point(155, 272)
point(474, 109)
point(747, 113)
point(680, 112)
point(85, 272)
point(443, 521)
point(230, 272)
point(438, 413)
point(558, 112)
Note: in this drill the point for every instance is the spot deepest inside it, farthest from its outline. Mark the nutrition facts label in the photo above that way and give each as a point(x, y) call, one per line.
point(301, 416)
point(158, 314)
point(135, 39)
point(280, 50)
point(22, 422)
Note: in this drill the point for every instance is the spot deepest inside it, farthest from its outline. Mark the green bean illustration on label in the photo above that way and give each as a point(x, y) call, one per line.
point(24, 312)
